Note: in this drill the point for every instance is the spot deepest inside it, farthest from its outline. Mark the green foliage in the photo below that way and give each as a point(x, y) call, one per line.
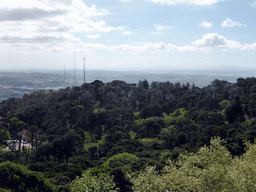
point(19, 178)
point(93, 183)
point(177, 116)
point(210, 169)
point(136, 114)
point(141, 122)
point(146, 142)
point(121, 157)
point(14, 120)
point(60, 179)
point(50, 93)
point(93, 125)
point(149, 127)
point(181, 138)
point(235, 112)
point(132, 134)
point(224, 103)
point(247, 123)
point(148, 180)
point(178, 112)
point(4, 135)
point(143, 84)
point(7, 155)
point(61, 148)
point(87, 137)
point(96, 110)
point(88, 146)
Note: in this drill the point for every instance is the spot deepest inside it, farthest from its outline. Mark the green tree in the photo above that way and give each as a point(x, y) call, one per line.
point(33, 129)
point(143, 84)
point(121, 159)
point(235, 112)
point(209, 169)
point(4, 134)
point(17, 177)
point(16, 128)
point(93, 183)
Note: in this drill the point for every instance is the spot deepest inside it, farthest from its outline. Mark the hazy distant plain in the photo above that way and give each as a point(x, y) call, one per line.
point(16, 84)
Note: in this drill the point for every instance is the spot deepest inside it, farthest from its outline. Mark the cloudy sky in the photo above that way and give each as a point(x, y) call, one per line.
point(127, 34)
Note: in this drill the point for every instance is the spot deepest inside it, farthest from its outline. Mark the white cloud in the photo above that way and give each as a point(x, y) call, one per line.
point(213, 40)
point(96, 36)
point(156, 33)
point(208, 43)
point(205, 24)
point(145, 47)
point(230, 23)
point(253, 4)
point(161, 28)
point(154, 47)
point(127, 33)
point(48, 24)
point(189, 2)
point(28, 14)
point(100, 26)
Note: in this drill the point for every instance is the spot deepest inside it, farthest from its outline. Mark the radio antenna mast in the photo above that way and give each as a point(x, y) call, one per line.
point(57, 81)
point(64, 74)
point(84, 70)
point(75, 68)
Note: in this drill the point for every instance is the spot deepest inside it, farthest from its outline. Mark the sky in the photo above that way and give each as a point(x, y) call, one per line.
point(127, 34)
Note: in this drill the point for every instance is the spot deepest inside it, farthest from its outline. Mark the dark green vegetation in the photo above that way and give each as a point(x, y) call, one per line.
point(119, 128)
point(18, 178)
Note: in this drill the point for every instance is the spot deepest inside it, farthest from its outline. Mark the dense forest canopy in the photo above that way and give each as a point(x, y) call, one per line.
point(108, 133)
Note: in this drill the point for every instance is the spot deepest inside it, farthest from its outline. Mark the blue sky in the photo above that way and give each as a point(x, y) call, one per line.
point(127, 34)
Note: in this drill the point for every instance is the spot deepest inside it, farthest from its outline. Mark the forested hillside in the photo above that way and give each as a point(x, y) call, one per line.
point(109, 133)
